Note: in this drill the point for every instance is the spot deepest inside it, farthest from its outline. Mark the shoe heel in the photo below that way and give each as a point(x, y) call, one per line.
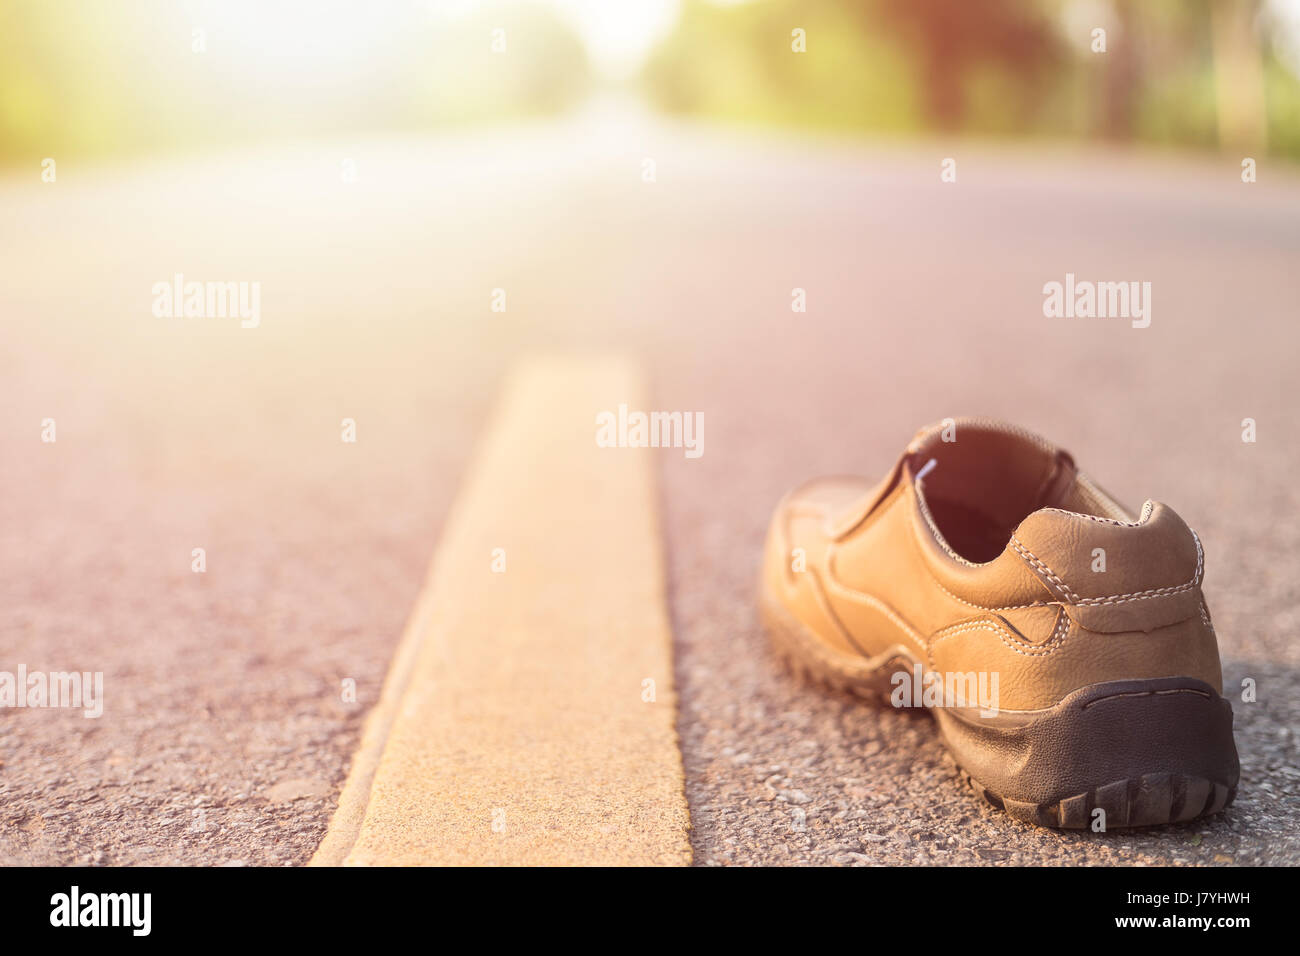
point(1144, 752)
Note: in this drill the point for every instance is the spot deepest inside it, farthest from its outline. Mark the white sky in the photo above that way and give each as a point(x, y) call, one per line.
point(1284, 18)
point(619, 34)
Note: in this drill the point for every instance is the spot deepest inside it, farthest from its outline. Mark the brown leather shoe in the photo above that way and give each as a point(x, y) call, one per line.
point(1061, 642)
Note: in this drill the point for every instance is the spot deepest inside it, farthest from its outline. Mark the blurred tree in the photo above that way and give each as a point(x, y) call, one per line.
point(1176, 72)
point(950, 38)
point(1239, 75)
point(1122, 81)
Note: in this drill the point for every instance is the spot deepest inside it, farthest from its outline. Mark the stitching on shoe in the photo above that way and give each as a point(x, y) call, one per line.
point(1136, 595)
point(1155, 592)
point(935, 578)
point(823, 601)
point(1059, 634)
point(1147, 509)
point(1057, 637)
point(916, 545)
point(1150, 693)
point(1120, 598)
point(832, 584)
point(875, 513)
point(1061, 587)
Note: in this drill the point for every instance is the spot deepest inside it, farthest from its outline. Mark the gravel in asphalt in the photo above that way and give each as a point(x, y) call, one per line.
point(225, 738)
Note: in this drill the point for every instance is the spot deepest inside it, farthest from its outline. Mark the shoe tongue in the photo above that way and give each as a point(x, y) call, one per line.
point(992, 469)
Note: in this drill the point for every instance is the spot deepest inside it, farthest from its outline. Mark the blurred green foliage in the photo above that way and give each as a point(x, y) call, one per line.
point(997, 67)
point(105, 78)
point(736, 62)
point(81, 76)
point(1283, 92)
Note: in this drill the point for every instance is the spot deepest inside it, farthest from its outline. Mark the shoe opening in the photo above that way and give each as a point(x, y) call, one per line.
point(978, 479)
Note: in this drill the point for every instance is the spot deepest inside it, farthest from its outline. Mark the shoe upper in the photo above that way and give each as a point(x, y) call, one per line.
point(986, 549)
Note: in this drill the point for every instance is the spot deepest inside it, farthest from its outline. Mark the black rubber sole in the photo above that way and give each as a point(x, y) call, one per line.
point(1143, 752)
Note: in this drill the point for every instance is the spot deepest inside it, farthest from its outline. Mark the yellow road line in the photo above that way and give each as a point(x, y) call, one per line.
point(529, 715)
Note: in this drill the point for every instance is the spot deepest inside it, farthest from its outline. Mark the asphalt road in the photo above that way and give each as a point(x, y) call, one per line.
point(225, 736)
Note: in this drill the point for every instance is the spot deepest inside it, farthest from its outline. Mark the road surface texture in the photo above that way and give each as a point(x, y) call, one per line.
point(227, 730)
